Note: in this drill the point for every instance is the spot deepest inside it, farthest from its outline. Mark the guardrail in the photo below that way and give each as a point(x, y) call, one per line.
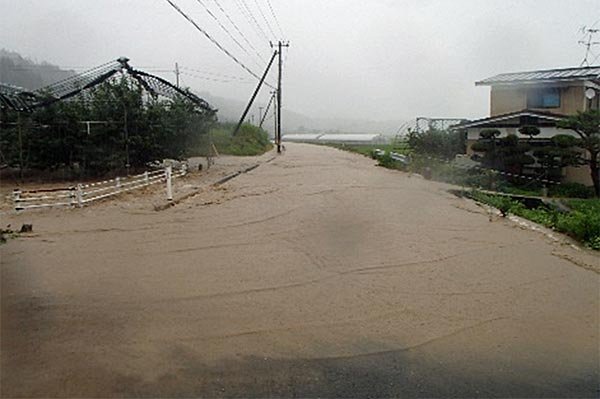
point(82, 194)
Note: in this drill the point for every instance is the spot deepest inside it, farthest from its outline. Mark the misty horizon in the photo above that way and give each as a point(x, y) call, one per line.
point(375, 61)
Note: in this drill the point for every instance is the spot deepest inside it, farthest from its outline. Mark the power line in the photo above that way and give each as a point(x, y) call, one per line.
point(265, 18)
point(250, 18)
point(224, 28)
point(219, 75)
point(216, 43)
point(239, 31)
point(213, 79)
point(275, 18)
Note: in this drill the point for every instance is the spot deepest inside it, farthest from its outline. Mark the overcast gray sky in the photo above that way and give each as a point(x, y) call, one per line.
point(369, 59)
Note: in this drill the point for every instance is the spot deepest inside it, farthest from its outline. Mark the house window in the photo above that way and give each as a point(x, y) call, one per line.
point(543, 98)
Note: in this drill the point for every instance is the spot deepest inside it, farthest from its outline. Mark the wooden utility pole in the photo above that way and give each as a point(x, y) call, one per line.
point(280, 45)
point(275, 116)
point(177, 74)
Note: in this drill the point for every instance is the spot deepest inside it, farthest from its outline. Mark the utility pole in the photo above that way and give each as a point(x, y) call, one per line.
point(177, 74)
point(260, 113)
point(275, 116)
point(280, 45)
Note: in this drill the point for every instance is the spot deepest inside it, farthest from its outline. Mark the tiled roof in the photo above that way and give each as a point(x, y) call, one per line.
point(581, 73)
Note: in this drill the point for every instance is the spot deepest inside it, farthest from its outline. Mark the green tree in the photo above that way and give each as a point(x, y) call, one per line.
point(529, 130)
point(487, 144)
point(439, 143)
point(559, 153)
point(506, 153)
point(587, 126)
point(132, 129)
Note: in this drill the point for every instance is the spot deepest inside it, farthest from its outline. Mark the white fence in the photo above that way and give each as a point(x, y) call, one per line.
point(82, 194)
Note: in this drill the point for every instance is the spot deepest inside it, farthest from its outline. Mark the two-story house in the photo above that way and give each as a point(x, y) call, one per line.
point(539, 98)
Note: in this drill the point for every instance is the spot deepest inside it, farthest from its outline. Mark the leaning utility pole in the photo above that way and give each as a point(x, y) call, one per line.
point(260, 83)
point(280, 45)
point(264, 116)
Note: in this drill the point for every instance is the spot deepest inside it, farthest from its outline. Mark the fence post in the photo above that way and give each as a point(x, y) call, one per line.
point(168, 176)
point(79, 195)
point(16, 198)
point(118, 181)
point(73, 195)
point(184, 169)
point(146, 178)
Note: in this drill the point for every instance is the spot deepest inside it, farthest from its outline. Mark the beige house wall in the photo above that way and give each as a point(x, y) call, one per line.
point(579, 174)
point(504, 100)
point(507, 99)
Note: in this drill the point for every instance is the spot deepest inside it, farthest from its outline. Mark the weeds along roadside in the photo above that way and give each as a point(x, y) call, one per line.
point(581, 222)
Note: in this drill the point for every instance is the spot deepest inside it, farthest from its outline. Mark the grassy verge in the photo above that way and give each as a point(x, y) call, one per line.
point(582, 222)
point(250, 140)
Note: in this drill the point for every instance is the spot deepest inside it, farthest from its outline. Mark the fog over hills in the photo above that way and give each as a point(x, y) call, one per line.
point(20, 71)
point(231, 110)
point(24, 72)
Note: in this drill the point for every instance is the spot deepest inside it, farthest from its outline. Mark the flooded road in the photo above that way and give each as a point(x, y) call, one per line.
point(316, 274)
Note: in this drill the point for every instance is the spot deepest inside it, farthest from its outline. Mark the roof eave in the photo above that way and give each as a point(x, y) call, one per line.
point(499, 118)
point(536, 81)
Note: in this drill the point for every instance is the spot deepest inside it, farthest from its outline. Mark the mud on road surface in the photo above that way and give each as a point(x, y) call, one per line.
point(316, 274)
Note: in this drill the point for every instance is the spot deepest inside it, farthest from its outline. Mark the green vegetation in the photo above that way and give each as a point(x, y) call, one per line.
point(571, 190)
point(587, 126)
point(128, 128)
point(250, 140)
point(445, 144)
point(581, 223)
point(507, 154)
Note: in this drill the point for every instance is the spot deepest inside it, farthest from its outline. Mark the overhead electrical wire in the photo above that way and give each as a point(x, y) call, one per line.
point(214, 79)
point(216, 43)
point(239, 31)
point(224, 28)
point(251, 19)
point(219, 75)
point(265, 19)
point(275, 18)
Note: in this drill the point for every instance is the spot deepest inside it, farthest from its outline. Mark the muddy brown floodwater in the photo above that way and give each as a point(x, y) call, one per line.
point(316, 274)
